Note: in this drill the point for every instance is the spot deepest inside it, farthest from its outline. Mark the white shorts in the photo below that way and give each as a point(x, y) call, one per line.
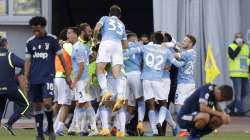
point(183, 92)
point(157, 89)
point(110, 51)
point(95, 91)
point(113, 90)
point(64, 95)
point(81, 94)
point(134, 87)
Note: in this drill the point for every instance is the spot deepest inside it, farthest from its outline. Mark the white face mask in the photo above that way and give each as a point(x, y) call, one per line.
point(239, 41)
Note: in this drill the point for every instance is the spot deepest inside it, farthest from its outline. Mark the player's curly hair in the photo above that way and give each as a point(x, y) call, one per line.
point(157, 37)
point(38, 20)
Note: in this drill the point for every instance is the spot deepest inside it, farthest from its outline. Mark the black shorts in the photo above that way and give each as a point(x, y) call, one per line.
point(38, 92)
point(186, 121)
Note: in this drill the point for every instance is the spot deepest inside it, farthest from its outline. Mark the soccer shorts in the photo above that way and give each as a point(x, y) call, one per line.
point(157, 89)
point(110, 51)
point(63, 92)
point(134, 87)
point(183, 92)
point(81, 95)
point(38, 92)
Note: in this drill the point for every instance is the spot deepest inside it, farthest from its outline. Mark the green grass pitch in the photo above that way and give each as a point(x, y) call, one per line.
point(30, 135)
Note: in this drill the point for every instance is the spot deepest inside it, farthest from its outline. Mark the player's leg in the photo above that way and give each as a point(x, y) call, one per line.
point(36, 96)
point(19, 98)
point(182, 93)
point(121, 117)
point(91, 117)
point(103, 58)
point(136, 89)
point(161, 89)
point(48, 95)
point(64, 99)
point(3, 100)
point(150, 102)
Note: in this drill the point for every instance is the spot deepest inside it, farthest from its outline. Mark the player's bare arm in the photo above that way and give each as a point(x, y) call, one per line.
point(27, 66)
point(124, 44)
point(96, 32)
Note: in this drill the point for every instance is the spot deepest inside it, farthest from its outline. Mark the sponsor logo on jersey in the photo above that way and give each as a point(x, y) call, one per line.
point(42, 55)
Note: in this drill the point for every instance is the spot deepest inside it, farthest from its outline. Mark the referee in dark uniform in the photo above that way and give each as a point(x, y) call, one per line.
point(8, 86)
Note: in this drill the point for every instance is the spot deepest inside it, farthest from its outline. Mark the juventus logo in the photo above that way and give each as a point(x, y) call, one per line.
point(46, 46)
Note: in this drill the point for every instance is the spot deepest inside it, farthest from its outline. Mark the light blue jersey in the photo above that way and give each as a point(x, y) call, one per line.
point(155, 58)
point(112, 29)
point(186, 72)
point(133, 62)
point(79, 55)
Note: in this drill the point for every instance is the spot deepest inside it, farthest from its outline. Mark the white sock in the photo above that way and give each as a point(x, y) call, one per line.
point(116, 122)
point(57, 120)
point(170, 119)
point(74, 125)
point(104, 113)
point(120, 84)
point(91, 117)
point(102, 82)
point(84, 121)
point(162, 114)
point(122, 117)
point(141, 110)
point(60, 126)
point(152, 120)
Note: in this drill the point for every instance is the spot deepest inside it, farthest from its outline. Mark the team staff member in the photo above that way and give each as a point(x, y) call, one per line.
point(8, 85)
point(41, 50)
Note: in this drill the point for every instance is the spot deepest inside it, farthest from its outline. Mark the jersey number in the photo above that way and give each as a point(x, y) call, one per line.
point(189, 68)
point(115, 26)
point(153, 61)
point(50, 86)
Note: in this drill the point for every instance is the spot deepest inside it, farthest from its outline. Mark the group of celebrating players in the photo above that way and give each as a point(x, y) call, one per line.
point(123, 76)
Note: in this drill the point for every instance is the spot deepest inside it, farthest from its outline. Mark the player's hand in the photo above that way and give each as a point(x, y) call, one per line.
point(26, 84)
point(177, 55)
point(225, 118)
point(68, 80)
point(73, 84)
point(167, 67)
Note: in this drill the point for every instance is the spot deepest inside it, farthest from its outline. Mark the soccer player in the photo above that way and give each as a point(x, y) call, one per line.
point(186, 82)
point(155, 58)
point(197, 114)
point(85, 34)
point(64, 96)
point(41, 50)
point(8, 86)
point(80, 61)
point(110, 50)
point(134, 84)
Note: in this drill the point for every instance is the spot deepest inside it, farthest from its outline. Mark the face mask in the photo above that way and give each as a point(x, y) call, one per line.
point(239, 41)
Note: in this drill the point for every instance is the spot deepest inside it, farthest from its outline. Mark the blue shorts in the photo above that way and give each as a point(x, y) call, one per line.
point(185, 121)
point(38, 92)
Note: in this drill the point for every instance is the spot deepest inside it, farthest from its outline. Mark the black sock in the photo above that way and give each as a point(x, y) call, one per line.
point(39, 123)
point(49, 115)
